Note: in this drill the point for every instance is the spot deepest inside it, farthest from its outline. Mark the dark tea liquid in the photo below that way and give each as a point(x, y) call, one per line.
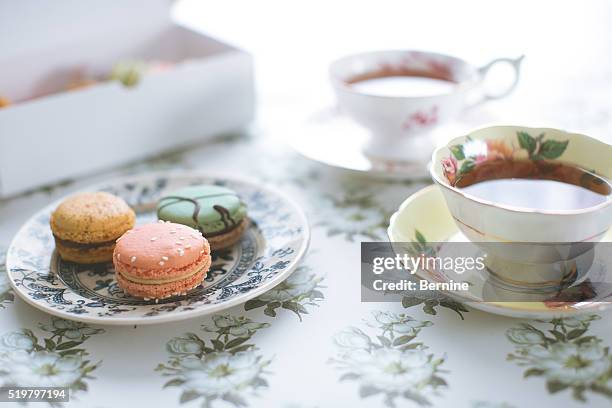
point(404, 82)
point(537, 185)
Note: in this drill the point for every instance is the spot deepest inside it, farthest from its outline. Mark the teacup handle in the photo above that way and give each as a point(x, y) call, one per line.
point(484, 70)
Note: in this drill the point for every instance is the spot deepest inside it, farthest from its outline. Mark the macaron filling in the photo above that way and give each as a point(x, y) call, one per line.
point(82, 245)
point(225, 231)
point(145, 281)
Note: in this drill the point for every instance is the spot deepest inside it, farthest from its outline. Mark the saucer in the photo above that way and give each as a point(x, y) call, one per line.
point(426, 211)
point(332, 138)
point(268, 253)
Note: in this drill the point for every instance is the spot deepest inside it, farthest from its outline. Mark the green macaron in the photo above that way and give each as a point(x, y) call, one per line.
point(215, 211)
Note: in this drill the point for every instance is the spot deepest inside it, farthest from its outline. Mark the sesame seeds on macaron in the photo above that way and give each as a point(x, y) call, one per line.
point(149, 264)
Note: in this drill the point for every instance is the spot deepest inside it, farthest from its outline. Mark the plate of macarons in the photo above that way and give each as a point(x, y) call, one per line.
point(157, 248)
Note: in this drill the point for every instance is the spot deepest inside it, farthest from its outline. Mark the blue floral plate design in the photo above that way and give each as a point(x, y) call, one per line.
point(267, 254)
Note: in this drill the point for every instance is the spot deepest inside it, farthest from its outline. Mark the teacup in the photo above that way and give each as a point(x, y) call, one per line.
point(439, 88)
point(548, 244)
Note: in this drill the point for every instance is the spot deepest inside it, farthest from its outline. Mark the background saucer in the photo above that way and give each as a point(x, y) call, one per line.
point(331, 138)
point(268, 252)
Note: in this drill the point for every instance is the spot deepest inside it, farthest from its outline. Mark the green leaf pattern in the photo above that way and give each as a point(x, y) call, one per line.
point(552, 149)
point(564, 355)
point(223, 367)
point(58, 360)
point(526, 142)
point(457, 151)
point(298, 292)
point(354, 214)
point(388, 363)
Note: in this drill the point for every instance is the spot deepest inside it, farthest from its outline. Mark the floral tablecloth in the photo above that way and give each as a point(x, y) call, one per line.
point(310, 342)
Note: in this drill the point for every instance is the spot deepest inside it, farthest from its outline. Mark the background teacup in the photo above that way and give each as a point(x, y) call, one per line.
point(401, 95)
point(547, 244)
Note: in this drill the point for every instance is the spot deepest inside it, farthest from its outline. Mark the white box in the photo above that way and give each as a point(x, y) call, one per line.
point(210, 89)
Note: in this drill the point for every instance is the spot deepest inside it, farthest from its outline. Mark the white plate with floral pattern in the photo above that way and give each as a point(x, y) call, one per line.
point(267, 254)
point(425, 218)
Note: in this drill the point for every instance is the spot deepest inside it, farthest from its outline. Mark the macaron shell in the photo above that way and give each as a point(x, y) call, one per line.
point(161, 291)
point(209, 208)
point(159, 250)
point(91, 218)
point(156, 290)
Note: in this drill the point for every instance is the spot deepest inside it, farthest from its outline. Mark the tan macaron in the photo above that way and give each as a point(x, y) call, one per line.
point(86, 226)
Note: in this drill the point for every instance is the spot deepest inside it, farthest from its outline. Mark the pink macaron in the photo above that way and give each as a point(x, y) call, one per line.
point(157, 261)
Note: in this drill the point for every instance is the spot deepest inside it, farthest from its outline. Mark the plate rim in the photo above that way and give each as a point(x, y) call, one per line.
point(189, 314)
point(497, 308)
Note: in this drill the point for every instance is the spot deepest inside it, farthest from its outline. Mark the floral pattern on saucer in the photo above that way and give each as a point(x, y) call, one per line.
point(268, 253)
point(564, 355)
point(389, 363)
point(465, 157)
point(221, 366)
point(58, 360)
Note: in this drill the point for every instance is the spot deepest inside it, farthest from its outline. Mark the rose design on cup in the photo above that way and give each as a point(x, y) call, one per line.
point(457, 164)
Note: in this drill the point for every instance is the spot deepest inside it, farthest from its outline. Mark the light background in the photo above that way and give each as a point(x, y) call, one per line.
point(567, 44)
